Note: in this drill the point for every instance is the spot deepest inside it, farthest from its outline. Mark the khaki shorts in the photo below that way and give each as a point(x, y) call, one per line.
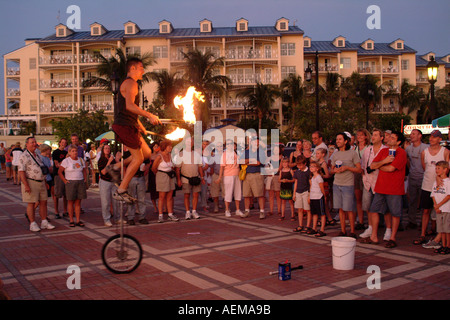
point(163, 182)
point(38, 192)
point(76, 190)
point(301, 201)
point(60, 187)
point(187, 188)
point(443, 222)
point(216, 188)
point(273, 183)
point(253, 185)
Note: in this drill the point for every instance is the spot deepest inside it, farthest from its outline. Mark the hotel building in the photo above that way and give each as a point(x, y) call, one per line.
point(43, 79)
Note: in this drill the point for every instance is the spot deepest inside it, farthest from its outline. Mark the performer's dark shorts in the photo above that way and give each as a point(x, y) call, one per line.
point(128, 135)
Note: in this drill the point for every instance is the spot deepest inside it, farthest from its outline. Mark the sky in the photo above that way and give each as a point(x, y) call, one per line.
point(423, 25)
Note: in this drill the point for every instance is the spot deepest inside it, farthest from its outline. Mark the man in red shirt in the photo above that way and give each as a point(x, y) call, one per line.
point(390, 186)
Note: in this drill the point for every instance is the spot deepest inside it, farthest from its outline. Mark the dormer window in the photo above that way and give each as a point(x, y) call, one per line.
point(398, 44)
point(339, 42)
point(369, 44)
point(282, 24)
point(62, 31)
point(205, 26)
point(131, 28)
point(242, 25)
point(307, 42)
point(165, 27)
point(97, 29)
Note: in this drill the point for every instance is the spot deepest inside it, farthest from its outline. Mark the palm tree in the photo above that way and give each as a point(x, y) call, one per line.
point(169, 86)
point(294, 92)
point(409, 97)
point(201, 72)
point(260, 98)
point(116, 64)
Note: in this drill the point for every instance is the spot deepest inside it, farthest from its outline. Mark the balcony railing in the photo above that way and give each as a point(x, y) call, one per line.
point(14, 112)
point(13, 72)
point(57, 59)
point(92, 58)
point(252, 79)
point(236, 103)
point(372, 69)
point(13, 92)
point(250, 54)
point(328, 67)
point(57, 84)
point(390, 69)
point(421, 79)
point(385, 108)
point(74, 106)
point(46, 130)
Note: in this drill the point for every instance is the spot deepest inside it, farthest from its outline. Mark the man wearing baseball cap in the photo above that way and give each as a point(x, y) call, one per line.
point(430, 156)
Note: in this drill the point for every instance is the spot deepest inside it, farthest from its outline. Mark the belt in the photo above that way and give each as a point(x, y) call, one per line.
point(35, 180)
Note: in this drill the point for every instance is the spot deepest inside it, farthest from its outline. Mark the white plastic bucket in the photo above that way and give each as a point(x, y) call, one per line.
point(343, 250)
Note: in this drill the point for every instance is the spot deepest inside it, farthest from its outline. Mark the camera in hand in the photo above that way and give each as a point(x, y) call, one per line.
point(369, 170)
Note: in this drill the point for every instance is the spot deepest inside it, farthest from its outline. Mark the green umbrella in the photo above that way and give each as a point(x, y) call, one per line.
point(442, 121)
point(107, 135)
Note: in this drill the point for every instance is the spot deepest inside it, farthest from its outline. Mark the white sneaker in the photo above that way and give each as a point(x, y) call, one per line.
point(195, 214)
point(262, 215)
point(172, 217)
point(47, 225)
point(431, 245)
point(367, 233)
point(227, 213)
point(239, 213)
point(387, 234)
point(108, 224)
point(160, 218)
point(188, 215)
point(246, 214)
point(34, 227)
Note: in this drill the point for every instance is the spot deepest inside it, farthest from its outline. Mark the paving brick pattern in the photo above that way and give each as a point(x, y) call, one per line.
point(213, 258)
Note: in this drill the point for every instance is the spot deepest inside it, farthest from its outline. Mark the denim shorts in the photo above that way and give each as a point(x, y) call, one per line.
point(343, 197)
point(383, 203)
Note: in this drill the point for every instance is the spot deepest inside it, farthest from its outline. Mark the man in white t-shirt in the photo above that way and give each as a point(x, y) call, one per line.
point(33, 185)
point(317, 139)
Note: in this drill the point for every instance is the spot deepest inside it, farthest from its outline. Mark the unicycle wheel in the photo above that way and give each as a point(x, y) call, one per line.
point(121, 254)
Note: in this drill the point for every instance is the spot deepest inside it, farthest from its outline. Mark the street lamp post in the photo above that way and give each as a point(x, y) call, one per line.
point(115, 85)
point(308, 77)
point(432, 68)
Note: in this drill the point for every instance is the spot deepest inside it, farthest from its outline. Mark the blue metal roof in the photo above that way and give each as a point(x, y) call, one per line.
point(176, 33)
point(379, 48)
point(421, 62)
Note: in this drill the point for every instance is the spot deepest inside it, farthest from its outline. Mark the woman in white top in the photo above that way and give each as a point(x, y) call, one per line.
point(165, 180)
point(73, 173)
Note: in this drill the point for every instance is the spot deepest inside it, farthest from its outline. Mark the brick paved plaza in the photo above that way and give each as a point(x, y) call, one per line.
point(213, 258)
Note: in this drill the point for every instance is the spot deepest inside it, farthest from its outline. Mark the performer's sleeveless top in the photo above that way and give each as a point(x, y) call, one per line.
point(121, 115)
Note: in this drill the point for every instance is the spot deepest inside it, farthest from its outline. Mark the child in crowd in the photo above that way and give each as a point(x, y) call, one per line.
point(286, 191)
point(73, 173)
point(301, 193)
point(441, 198)
point(321, 154)
point(317, 200)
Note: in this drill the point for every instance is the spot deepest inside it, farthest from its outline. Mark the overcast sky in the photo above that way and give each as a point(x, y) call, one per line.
point(423, 25)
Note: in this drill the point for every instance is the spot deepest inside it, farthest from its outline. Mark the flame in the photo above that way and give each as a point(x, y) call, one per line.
point(188, 104)
point(176, 135)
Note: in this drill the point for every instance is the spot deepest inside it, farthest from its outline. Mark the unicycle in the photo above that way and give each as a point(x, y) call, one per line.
point(122, 253)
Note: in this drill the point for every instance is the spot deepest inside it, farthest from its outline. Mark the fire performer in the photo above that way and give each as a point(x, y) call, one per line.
point(128, 128)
